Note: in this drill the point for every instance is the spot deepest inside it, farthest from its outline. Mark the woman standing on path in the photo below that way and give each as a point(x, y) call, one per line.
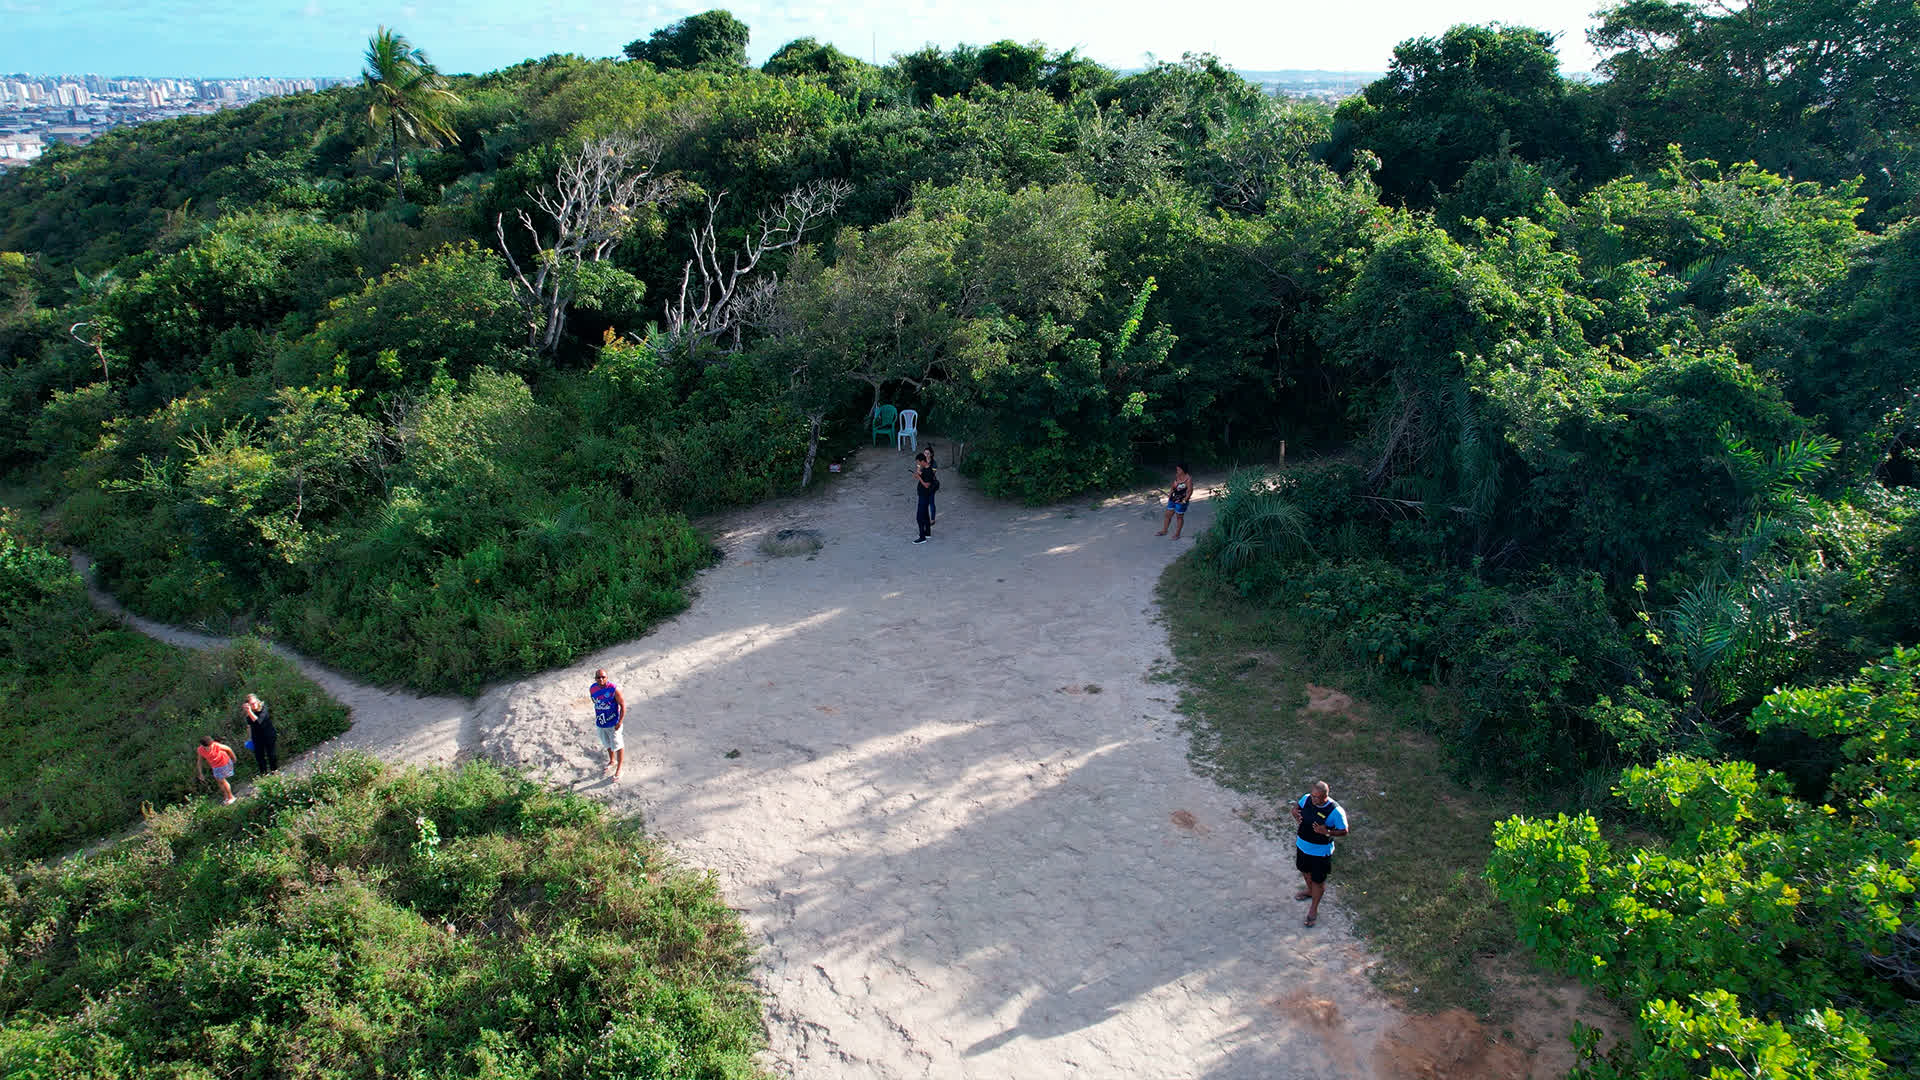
point(926, 480)
point(1177, 497)
point(261, 735)
point(933, 503)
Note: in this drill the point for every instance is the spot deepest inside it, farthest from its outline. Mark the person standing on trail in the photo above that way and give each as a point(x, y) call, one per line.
point(261, 736)
point(609, 714)
point(926, 481)
point(1177, 497)
point(933, 504)
point(219, 756)
point(1321, 819)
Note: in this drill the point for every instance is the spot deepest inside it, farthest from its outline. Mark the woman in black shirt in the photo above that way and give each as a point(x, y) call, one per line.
point(260, 733)
point(926, 481)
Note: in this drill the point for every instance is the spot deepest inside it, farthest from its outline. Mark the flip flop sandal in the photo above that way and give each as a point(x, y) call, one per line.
point(1310, 920)
point(1303, 895)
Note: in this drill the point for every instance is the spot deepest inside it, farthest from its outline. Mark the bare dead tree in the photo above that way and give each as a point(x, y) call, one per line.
point(593, 203)
point(725, 297)
point(757, 307)
point(95, 339)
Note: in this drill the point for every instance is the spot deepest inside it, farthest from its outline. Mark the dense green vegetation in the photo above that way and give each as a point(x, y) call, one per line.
point(364, 921)
point(1765, 928)
point(101, 721)
point(1410, 872)
point(1608, 386)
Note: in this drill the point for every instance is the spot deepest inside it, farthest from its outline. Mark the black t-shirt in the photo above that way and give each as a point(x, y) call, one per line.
point(929, 480)
point(261, 723)
point(1311, 815)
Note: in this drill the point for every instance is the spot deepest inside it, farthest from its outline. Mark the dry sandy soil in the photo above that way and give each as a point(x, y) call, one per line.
point(944, 788)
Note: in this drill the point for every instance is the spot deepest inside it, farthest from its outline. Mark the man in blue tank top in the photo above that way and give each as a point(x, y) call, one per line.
point(1321, 819)
point(609, 714)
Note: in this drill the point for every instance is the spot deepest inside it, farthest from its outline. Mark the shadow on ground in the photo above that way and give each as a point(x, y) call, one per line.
point(961, 814)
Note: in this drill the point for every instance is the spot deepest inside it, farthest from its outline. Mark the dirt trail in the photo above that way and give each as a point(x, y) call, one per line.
point(394, 724)
point(947, 793)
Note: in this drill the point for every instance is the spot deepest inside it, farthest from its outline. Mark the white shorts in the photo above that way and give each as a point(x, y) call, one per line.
point(612, 738)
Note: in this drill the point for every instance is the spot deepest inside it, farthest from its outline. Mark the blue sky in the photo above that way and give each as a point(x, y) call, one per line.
point(325, 37)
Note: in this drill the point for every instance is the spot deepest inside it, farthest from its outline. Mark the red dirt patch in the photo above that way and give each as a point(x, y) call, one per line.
point(1187, 821)
point(1323, 1016)
point(1447, 1046)
point(1544, 1010)
point(1325, 699)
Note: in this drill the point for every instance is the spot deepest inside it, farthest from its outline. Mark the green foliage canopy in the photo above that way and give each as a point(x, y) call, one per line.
point(711, 39)
point(1758, 903)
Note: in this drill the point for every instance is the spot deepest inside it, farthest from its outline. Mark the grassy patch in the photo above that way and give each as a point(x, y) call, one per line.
point(367, 921)
point(1411, 870)
point(114, 724)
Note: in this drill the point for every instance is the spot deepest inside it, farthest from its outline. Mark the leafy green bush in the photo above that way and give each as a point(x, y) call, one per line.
point(44, 612)
point(1754, 902)
point(246, 273)
point(458, 539)
point(366, 921)
point(498, 597)
point(1528, 658)
point(451, 313)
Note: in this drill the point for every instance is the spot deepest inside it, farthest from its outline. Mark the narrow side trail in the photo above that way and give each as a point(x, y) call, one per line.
point(950, 796)
point(393, 724)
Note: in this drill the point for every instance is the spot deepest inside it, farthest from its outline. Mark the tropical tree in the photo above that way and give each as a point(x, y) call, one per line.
point(712, 39)
point(1822, 90)
point(1471, 93)
point(595, 200)
point(409, 97)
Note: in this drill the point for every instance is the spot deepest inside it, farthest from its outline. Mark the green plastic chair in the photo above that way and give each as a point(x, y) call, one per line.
point(884, 422)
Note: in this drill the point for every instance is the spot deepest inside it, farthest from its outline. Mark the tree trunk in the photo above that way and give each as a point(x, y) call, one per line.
point(399, 180)
point(813, 447)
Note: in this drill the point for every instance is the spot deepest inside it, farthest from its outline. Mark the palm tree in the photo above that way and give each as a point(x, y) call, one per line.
point(409, 97)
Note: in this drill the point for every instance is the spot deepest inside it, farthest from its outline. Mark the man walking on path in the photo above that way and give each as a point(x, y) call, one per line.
point(1321, 819)
point(261, 736)
point(219, 756)
point(609, 713)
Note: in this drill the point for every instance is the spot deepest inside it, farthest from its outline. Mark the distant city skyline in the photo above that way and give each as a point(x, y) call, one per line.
point(319, 38)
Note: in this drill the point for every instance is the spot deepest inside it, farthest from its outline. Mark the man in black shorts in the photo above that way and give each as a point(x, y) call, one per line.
point(1321, 819)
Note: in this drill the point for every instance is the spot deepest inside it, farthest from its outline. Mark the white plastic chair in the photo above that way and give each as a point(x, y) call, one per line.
point(909, 432)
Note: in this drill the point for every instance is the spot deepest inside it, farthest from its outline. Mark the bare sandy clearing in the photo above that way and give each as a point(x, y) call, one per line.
point(961, 815)
point(945, 790)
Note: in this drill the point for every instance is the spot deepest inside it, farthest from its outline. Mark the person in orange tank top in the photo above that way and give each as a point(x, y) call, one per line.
point(218, 756)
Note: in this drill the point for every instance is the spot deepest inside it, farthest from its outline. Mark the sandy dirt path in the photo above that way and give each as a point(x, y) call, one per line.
point(960, 817)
